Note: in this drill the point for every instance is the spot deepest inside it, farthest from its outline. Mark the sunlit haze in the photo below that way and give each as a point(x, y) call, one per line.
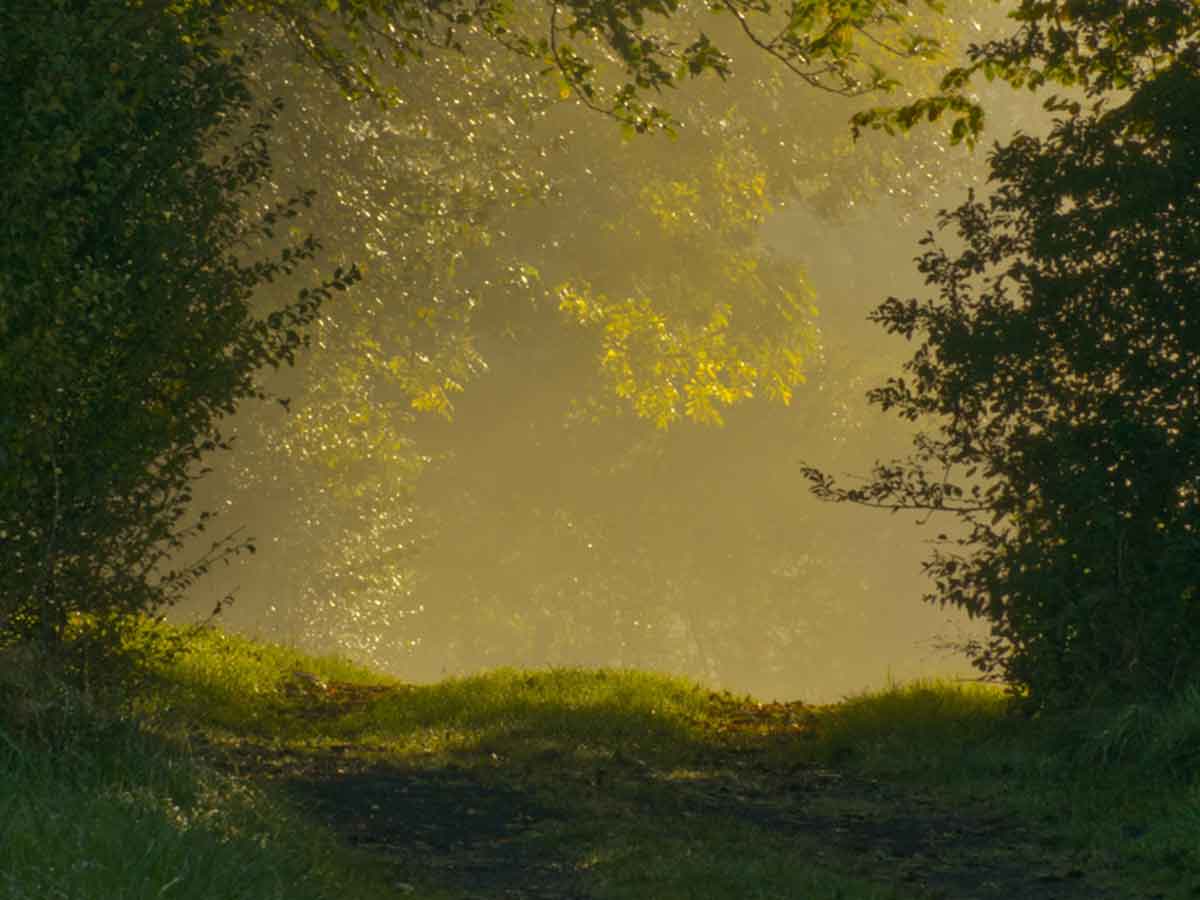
point(474, 473)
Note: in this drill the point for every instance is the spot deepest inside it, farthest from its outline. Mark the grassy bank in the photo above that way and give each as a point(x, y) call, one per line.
point(245, 770)
point(96, 804)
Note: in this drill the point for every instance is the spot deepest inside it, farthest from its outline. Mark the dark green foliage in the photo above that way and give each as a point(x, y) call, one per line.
point(1096, 45)
point(126, 329)
point(1060, 361)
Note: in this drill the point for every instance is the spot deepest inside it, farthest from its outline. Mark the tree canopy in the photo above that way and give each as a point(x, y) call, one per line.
point(613, 57)
point(522, 253)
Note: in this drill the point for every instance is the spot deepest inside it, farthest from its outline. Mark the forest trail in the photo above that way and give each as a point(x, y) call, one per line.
point(484, 829)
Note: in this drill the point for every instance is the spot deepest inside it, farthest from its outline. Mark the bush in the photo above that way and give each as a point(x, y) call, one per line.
point(126, 328)
point(1060, 361)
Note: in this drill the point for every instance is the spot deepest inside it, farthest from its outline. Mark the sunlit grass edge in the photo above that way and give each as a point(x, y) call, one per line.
point(225, 680)
point(582, 706)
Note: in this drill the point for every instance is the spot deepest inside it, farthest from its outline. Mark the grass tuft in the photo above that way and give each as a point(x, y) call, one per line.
point(924, 725)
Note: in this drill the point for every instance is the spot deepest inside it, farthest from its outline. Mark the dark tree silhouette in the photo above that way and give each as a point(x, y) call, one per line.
point(1060, 365)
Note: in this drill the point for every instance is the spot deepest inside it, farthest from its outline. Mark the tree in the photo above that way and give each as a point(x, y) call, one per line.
point(1060, 363)
point(127, 328)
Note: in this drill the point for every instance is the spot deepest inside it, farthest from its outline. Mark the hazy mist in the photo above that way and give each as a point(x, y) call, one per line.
point(460, 484)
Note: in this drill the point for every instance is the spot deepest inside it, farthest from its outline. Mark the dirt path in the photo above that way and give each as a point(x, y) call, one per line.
point(477, 829)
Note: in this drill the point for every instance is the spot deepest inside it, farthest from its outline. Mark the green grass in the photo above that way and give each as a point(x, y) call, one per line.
point(1118, 790)
point(124, 821)
point(93, 806)
point(222, 778)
